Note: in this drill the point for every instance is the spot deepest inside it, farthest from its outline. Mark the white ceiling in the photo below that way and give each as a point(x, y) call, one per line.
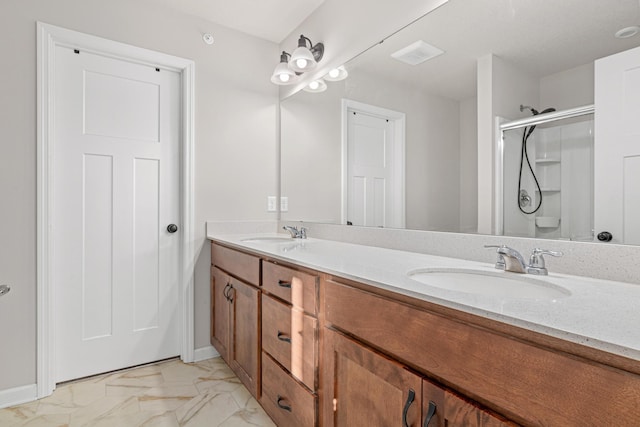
point(271, 20)
point(542, 37)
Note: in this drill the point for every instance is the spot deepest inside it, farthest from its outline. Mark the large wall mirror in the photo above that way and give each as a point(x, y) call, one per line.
point(400, 145)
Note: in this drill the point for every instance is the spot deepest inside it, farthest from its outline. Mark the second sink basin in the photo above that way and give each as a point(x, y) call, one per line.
point(495, 284)
point(273, 239)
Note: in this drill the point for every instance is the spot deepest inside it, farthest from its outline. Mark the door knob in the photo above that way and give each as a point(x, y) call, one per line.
point(605, 236)
point(172, 228)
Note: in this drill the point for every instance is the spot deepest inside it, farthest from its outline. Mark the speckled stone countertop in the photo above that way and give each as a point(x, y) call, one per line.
point(604, 315)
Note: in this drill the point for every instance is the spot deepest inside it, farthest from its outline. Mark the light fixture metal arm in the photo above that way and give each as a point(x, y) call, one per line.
point(317, 50)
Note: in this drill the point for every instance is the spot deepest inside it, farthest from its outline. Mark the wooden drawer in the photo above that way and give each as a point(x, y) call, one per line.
point(529, 384)
point(236, 263)
point(296, 287)
point(290, 337)
point(287, 402)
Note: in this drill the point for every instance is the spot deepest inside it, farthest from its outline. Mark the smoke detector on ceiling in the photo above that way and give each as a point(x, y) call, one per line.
point(416, 53)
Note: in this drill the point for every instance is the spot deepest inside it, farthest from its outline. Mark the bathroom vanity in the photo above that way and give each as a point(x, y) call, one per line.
point(332, 334)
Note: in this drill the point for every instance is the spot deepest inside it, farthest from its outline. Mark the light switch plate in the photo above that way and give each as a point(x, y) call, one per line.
point(284, 204)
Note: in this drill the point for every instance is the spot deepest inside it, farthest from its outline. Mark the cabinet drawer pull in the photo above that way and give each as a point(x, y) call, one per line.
point(230, 297)
point(407, 404)
point(282, 406)
point(283, 337)
point(225, 292)
point(430, 413)
point(284, 284)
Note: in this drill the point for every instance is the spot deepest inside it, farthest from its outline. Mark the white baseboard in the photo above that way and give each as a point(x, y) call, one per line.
point(17, 395)
point(204, 353)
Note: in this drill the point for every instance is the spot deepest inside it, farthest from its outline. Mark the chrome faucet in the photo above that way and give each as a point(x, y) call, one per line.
point(510, 259)
point(536, 261)
point(513, 261)
point(295, 233)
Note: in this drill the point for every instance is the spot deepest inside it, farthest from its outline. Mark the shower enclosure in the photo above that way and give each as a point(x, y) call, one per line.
point(559, 156)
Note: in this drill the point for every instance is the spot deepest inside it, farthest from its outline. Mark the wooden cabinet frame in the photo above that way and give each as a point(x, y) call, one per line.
point(477, 371)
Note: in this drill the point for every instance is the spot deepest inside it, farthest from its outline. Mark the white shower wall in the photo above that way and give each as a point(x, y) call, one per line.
point(562, 158)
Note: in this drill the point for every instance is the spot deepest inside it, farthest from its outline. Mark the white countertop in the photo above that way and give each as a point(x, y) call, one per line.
point(600, 314)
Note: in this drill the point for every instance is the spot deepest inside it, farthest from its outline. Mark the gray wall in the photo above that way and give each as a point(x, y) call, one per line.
point(311, 151)
point(235, 145)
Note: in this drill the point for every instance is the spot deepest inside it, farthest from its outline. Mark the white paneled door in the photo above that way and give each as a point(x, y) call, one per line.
point(372, 171)
point(115, 192)
point(617, 147)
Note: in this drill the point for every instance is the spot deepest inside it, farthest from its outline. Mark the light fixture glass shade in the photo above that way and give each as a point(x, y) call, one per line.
point(302, 60)
point(336, 74)
point(282, 75)
point(316, 86)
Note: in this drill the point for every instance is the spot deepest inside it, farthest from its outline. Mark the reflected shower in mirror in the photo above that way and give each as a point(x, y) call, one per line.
point(495, 56)
point(547, 179)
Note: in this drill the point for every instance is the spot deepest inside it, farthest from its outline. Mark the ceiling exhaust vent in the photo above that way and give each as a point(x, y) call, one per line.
point(416, 53)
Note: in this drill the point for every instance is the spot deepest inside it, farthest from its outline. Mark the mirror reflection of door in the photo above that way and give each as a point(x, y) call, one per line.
point(374, 167)
point(617, 147)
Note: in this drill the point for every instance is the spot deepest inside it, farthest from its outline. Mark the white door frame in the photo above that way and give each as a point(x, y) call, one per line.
point(48, 37)
point(399, 140)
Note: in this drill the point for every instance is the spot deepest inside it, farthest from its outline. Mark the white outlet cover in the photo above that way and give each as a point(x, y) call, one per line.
point(271, 203)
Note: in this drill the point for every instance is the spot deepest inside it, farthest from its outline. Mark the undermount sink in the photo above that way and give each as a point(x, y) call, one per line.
point(267, 239)
point(496, 284)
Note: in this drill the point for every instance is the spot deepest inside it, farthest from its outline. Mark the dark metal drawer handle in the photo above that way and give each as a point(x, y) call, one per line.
point(284, 284)
point(407, 404)
point(283, 337)
point(430, 413)
point(281, 406)
point(231, 292)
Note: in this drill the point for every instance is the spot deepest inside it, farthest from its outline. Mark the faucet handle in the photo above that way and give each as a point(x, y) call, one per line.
point(303, 233)
point(500, 264)
point(536, 261)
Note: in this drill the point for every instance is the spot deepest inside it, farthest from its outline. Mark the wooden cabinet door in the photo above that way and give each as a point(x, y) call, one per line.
point(460, 413)
point(245, 350)
point(220, 313)
point(365, 389)
point(442, 408)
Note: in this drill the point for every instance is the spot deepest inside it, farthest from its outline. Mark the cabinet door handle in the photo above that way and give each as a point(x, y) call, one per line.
point(284, 284)
point(407, 404)
point(231, 289)
point(225, 292)
point(430, 413)
point(283, 337)
point(281, 405)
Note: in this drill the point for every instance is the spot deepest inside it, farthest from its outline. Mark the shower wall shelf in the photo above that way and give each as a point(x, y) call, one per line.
point(552, 161)
point(547, 221)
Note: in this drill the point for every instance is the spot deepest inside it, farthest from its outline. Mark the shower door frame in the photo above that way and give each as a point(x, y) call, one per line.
point(502, 125)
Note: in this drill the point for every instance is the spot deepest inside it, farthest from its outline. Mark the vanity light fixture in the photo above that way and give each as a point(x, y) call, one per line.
point(306, 58)
point(283, 75)
point(316, 86)
point(336, 74)
point(303, 59)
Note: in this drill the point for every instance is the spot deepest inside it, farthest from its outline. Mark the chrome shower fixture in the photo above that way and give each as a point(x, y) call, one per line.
point(526, 107)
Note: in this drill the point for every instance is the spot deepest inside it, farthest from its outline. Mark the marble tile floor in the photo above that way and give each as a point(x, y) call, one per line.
point(164, 394)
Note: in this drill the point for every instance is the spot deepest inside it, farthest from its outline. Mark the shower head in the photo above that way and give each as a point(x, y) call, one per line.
point(526, 107)
point(534, 111)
